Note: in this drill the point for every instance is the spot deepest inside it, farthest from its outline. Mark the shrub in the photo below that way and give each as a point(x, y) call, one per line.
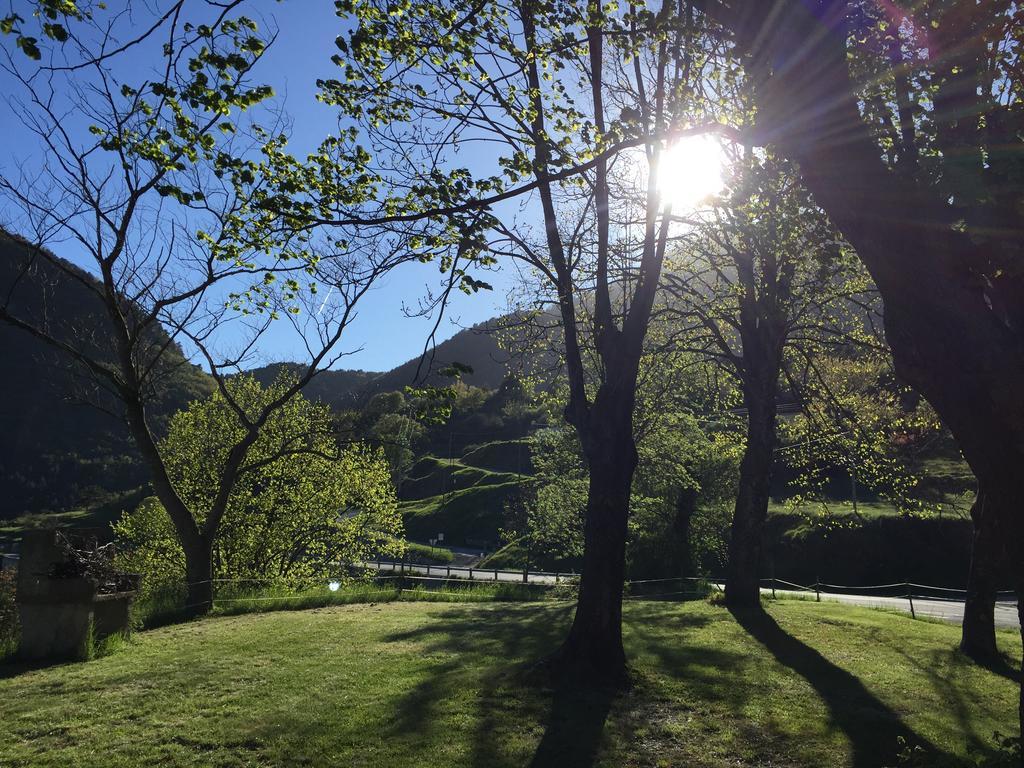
point(9, 625)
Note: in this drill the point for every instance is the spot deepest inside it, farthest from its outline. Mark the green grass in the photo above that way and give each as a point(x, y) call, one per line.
point(431, 476)
point(448, 685)
point(475, 513)
point(511, 555)
point(869, 509)
point(164, 606)
point(501, 456)
point(424, 553)
point(866, 509)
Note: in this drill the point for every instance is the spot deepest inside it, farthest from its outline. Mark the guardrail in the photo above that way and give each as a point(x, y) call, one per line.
point(469, 572)
point(427, 575)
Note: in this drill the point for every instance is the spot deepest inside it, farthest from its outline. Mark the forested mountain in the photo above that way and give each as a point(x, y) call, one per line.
point(63, 438)
point(475, 347)
point(338, 389)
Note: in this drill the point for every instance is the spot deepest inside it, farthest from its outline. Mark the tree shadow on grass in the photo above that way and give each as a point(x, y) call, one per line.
point(15, 666)
point(516, 696)
point(466, 638)
point(875, 731)
point(579, 715)
point(574, 728)
point(1003, 665)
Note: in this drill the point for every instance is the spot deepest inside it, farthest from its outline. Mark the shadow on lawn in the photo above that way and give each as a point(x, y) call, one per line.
point(14, 666)
point(1003, 665)
point(515, 694)
point(574, 727)
point(874, 730)
point(504, 642)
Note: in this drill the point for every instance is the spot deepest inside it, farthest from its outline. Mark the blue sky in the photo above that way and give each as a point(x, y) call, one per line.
point(382, 336)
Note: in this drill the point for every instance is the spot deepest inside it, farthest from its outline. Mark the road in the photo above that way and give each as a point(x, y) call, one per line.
point(948, 610)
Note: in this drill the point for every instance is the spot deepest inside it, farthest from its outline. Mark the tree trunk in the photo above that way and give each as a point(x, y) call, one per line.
point(686, 505)
point(1020, 620)
point(954, 320)
point(743, 577)
point(978, 638)
point(592, 653)
point(198, 577)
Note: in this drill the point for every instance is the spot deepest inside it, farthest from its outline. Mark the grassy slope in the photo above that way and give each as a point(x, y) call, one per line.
point(463, 499)
point(99, 514)
point(446, 685)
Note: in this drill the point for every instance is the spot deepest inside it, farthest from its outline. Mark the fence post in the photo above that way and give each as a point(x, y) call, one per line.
point(556, 577)
point(470, 574)
point(428, 569)
point(448, 572)
point(817, 591)
point(495, 574)
point(910, 597)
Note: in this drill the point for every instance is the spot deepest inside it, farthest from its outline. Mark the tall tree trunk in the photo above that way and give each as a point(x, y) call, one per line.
point(1020, 620)
point(198, 577)
point(978, 637)
point(686, 505)
point(743, 578)
point(954, 321)
point(592, 653)
point(197, 546)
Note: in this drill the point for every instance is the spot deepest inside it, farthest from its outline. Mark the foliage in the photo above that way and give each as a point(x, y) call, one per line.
point(678, 518)
point(858, 418)
point(9, 631)
point(300, 505)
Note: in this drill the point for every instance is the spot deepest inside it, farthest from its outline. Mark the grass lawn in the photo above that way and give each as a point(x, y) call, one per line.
point(442, 685)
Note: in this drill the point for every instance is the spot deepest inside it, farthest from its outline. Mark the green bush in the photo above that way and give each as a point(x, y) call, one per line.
point(9, 625)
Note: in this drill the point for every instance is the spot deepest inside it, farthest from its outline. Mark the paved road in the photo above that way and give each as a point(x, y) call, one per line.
point(948, 610)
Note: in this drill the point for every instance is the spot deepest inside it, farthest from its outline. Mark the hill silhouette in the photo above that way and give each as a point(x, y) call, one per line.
point(64, 441)
point(475, 347)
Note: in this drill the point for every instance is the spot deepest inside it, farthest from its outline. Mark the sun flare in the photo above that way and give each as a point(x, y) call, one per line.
point(692, 171)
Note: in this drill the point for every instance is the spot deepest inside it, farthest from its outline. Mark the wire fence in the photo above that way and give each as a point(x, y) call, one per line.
point(561, 585)
point(386, 579)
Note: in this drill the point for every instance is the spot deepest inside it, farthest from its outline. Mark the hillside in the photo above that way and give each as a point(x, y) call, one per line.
point(63, 443)
point(338, 389)
point(475, 347)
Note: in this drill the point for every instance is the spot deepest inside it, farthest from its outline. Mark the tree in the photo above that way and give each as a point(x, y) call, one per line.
point(944, 254)
point(762, 286)
point(570, 100)
point(186, 212)
point(685, 471)
point(301, 505)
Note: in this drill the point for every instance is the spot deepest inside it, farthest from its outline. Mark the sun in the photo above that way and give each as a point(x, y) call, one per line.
point(692, 171)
